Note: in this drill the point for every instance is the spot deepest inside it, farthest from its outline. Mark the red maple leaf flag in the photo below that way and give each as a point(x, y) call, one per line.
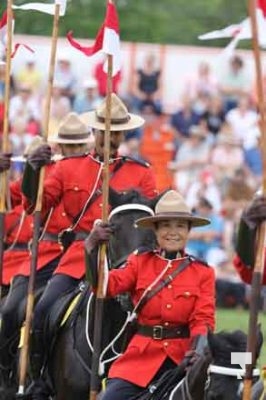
point(107, 39)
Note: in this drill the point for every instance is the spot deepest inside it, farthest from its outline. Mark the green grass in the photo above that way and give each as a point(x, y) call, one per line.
point(232, 319)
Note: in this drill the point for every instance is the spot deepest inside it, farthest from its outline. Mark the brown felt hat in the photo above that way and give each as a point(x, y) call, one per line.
point(171, 206)
point(71, 130)
point(121, 119)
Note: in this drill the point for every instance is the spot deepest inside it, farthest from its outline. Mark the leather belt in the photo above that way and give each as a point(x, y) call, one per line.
point(53, 237)
point(159, 332)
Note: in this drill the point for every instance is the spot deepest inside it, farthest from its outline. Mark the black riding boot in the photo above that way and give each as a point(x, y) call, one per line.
point(38, 390)
point(8, 346)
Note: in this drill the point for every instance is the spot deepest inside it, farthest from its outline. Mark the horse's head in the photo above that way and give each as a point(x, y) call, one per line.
point(126, 209)
point(192, 385)
point(197, 375)
point(224, 374)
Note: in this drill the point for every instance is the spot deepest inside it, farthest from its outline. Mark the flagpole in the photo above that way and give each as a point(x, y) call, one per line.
point(37, 215)
point(100, 294)
point(4, 175)
point(260, 247)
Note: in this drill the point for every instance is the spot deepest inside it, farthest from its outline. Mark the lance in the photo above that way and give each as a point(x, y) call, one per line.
point(101, 292)
point(260, 245)
point(23, 362)
point(4, 175)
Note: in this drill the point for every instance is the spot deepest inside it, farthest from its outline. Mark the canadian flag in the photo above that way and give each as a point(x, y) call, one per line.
point(242, 30)
point(107, 39)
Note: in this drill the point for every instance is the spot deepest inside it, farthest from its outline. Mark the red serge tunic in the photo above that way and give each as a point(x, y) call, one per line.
point(55, 223)
point(17, 231)
point(73, 181)
point(189, 299)
point(245, 272)
point(48, 250)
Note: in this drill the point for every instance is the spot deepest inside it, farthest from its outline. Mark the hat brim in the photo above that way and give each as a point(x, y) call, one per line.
point(90, 119)
point(56, 139)
point(149, 222)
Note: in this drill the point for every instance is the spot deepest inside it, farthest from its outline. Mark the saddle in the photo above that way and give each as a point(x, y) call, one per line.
point(60, 312)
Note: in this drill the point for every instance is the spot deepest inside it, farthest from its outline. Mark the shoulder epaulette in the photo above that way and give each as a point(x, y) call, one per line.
point(199, 260)
point(137, 161)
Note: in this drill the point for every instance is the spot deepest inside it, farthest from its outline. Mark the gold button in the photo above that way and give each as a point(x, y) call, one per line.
point(76, 188)
point(186, 294)
point(101, 204)
point(166, 323)
point(165, 344)
point(63, 214)
point(169, 286)
point(168, 306)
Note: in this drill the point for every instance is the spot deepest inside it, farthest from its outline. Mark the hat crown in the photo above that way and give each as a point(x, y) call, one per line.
point(171, 202)
point(119, 111)
point(72, 125)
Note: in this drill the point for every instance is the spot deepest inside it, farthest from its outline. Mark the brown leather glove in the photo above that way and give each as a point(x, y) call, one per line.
point(100, 234)
point(40, 156)
point(255, 213)
point(5, 161)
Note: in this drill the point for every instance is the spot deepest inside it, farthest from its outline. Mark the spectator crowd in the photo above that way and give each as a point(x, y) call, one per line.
point(208, 148)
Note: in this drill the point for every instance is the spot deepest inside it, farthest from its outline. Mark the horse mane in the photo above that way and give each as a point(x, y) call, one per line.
point(224, 343)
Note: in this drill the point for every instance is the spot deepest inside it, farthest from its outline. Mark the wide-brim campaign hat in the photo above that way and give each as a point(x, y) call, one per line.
point(71, 130)
point(171, 206)
point(121, 119)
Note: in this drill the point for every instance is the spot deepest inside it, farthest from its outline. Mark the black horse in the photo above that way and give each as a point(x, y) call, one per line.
point(222, 374)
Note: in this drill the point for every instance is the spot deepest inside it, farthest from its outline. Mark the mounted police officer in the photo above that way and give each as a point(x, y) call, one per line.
point(173, 296)
point(77, 183)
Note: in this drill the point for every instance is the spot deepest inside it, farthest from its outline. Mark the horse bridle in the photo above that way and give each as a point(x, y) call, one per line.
point(213, 369)
point(128, 207)
point(228, 371)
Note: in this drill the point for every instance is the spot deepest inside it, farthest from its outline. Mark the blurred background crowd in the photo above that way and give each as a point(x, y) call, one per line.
point(208, 147)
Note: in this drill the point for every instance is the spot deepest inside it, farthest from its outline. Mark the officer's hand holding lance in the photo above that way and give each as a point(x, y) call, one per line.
point(100, 234)
point(251, 218)
point(255, 213)
point(40, 156)
point(5, 161)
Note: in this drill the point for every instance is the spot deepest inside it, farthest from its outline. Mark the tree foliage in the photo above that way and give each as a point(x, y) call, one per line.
point(151, 21)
